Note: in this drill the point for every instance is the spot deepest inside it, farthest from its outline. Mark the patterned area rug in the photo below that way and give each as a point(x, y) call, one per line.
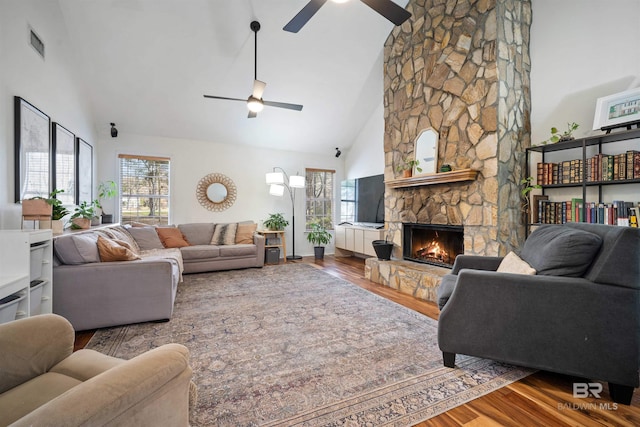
point(292, 345)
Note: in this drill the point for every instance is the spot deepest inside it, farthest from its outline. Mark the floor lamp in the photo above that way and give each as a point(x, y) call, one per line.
point(278, 181)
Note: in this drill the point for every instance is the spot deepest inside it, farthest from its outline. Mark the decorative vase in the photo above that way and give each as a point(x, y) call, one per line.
point(383, 249)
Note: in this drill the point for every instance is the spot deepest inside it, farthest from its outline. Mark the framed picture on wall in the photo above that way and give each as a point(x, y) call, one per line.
point(32, 130)
point(617, 110)
point(64, 164)
point(84, 171)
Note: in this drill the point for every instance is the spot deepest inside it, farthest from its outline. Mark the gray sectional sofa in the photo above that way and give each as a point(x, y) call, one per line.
point(93, 293)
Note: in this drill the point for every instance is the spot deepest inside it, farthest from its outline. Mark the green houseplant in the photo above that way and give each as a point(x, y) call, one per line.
point(407, 166)
point(557, 136)
point(318, 236)
point(106, 190)
point(58, 211)
point(276, 222)
point(82, 215)
point(526, 186)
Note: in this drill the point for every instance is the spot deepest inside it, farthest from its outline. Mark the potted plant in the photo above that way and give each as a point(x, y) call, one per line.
point(406, 167)
point(58, 211)
point(36, 208)
point(557, 136)
point(318, 236)
point(106, 190)
point(82, 214)
point(96, 219)
point(276, 222)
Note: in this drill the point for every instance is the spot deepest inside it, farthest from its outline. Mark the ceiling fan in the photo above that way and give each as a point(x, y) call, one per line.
point(386, 8)
point(255, 103)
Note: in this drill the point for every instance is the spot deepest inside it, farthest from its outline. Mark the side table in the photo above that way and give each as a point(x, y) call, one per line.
point(278, 234)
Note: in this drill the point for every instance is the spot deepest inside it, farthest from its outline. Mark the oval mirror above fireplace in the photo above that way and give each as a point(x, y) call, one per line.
point(426, 152)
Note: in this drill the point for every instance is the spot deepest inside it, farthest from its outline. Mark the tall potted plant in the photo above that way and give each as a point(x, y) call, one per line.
point(318, 236)
point(106, 190)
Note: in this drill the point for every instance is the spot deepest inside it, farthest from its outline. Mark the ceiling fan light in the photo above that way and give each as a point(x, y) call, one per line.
point(255, 105)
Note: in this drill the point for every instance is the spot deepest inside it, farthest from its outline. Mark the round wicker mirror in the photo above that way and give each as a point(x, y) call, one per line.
point(216, 192)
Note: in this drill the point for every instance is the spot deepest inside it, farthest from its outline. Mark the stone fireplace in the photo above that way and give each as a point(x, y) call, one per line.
point(460, 67)
point(432, 244)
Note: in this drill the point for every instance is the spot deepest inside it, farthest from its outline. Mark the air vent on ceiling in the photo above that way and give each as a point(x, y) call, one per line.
point(36, 42)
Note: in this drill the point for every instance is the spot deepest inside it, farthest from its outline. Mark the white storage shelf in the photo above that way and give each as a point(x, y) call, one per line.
point(353, 239)
point(26, 257)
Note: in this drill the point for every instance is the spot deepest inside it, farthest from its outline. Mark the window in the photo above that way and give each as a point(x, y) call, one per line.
point(348, 200)
point(319, 206)
point(144, 189)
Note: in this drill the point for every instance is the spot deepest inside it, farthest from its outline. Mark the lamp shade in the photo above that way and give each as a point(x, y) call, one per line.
point(296, 181)
point(276, 190)
point(275, 178)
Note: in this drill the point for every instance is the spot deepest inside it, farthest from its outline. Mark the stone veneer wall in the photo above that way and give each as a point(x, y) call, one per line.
point(462, 68)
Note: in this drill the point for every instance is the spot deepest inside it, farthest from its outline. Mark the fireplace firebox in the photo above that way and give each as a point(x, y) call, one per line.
point(432, 244)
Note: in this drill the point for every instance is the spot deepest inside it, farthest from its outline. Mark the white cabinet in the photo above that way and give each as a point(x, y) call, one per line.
point(352, 239)
point(26, 271)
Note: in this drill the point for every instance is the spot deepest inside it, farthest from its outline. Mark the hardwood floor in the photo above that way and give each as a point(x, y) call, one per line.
point(542, 399)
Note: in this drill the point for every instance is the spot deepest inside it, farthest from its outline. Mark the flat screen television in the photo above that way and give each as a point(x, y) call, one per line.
point(370, 199)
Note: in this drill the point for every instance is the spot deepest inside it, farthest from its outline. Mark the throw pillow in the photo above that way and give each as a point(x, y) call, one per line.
point(111, 250)
point(224, 234)
point(557, 250)
point(77, 249)
point(244, 233)
point(146, 237)
point(171, 237)
point(512, 263)
point(120, 233)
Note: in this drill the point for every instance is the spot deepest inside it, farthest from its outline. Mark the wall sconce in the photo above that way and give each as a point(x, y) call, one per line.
point(338, 152)
point(114, 131)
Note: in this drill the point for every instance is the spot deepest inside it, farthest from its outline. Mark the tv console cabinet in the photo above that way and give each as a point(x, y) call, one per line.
point(353, 239)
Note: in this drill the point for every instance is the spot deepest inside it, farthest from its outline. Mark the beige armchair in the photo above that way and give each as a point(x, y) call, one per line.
point(44, 383)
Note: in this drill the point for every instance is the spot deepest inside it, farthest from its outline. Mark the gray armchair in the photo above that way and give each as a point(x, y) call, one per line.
point(579, 315)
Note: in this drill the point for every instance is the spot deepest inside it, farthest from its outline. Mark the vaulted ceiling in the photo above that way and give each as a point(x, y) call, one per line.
point(145, 65)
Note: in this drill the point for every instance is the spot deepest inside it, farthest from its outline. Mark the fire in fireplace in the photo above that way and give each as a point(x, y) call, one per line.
point(432, 244)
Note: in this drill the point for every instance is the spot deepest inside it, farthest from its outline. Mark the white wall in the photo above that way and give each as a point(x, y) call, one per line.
point(246, 166)
point(580, 50)
point(49, 84)
point(366, 155)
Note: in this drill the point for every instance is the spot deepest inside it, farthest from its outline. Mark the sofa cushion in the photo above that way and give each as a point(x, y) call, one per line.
point(446, 288)
point(200, 252)
point(556, 250)
point(512, 263)
point(244, 232)
point(111, 250)
point(237, 250)
point(198, 233)
point(224, 234)
point(146, 237)
point(171, 237)
point(77, 249)
point(120, 233)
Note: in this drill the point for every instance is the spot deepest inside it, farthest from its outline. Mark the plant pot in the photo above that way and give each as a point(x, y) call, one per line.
point(383, 249)
point(107, 218)
point(57, 226)
point(83, 223)
point(96, 220)
point(318, 251)
point(35, 209)
point(406, 173)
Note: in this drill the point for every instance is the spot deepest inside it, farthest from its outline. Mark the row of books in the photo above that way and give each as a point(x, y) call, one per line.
point(575, 210)
point(601, 167)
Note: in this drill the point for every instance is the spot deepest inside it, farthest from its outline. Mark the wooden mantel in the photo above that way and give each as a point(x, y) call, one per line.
point(435, 178)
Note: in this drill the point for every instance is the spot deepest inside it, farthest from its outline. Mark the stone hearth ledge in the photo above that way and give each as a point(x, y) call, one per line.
point(408, 277)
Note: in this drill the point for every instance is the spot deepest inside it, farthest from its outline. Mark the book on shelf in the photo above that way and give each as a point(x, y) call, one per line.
point(618, 212)
point(600, 167)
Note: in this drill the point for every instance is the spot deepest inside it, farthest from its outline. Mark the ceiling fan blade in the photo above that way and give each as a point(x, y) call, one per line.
point(258, 88)
point(389, 10)
point(223, 97)
point(304, 15)
point(252, 115)
point(283, 105)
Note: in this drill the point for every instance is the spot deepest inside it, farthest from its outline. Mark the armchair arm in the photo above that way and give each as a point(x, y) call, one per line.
point(150, 389)
point(476, 262)
point(31, 346)
point(561, 324)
